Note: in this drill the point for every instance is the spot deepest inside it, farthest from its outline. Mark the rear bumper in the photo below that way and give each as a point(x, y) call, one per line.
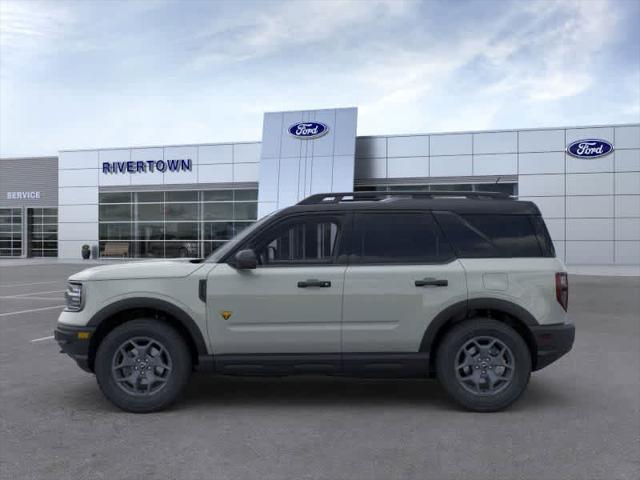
point(74, 345)
point(552, 341)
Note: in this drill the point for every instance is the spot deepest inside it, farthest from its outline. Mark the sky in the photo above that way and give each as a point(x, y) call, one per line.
point(88, 74)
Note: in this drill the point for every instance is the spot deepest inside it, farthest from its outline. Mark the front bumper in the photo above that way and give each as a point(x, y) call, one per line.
point(74, 341)
point(553, 341)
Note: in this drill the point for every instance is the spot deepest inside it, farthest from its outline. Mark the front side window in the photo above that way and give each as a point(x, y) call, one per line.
point(399, 238)
point(305, 241)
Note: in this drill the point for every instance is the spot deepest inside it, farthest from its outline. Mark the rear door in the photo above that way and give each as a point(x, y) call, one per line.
point(402, 273)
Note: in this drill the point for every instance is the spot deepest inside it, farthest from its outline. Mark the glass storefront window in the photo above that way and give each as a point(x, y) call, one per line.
point(173, 223)
point(10, 232)
point(42, 231)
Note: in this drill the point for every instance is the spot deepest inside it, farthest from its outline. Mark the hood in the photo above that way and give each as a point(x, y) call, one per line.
point(141, 270)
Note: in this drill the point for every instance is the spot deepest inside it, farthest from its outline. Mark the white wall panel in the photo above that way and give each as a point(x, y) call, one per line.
point(72, 248)
point(628, 183)
point(628, 137)
point(78, 177)
point(180, 176)
point(540, 185)
point(559, 247)
point(77, 213)
point(590, 184)
point(291, 146)
point(265, 208)
point(79, 159)
point(147, 178)
point(601, 133)
point(272, 128)
point(550, 207)
point(345, 140)
point(401, 167)
point(323, 146)
point(215, 154)
point(371, 147)
point(555, 227)
point(627, 228)
point(592, 253)
point(78, 231)
point(115, 179)
point(246, 153)
point(371, 168)
point(291, 171)
point(589, 229)
point(410, 146)
point(451, 165)
point(500, 164)
point(584, 165)
point(590, 206)
point(321, 174)
point(246, 172)
point(77, 195)
point(628, 253)
point(627, 205)
point(546, 162)
point(269, 169)
point(627, 160)
point(342, 173)
point(496, 142)
point(452, 144)
point(215, 173)
point(541, 141)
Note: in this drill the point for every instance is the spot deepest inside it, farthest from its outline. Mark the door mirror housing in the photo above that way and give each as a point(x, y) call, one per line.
point(245, 260)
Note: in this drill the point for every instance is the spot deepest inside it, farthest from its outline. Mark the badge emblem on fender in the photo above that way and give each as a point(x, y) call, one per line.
point(226, 314)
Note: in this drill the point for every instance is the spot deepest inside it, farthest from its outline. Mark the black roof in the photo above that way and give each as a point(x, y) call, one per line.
point(459, 202)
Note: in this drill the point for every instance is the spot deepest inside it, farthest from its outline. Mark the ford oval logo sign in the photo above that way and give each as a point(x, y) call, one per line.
point(308, 130)
point(590, 148)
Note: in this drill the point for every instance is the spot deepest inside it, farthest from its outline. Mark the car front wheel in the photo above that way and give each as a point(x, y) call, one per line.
point(143, 365)
point(483, 364)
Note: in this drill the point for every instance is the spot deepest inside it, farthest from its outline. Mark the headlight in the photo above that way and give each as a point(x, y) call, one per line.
point(73, 297)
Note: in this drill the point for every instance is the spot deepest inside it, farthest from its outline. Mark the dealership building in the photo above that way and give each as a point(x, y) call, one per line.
point(186, 200)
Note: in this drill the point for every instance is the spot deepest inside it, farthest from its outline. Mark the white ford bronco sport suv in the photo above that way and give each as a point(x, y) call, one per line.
point(464, 287)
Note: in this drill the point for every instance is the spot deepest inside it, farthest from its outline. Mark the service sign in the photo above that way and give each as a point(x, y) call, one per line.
point(589, 148)
point(308, 130)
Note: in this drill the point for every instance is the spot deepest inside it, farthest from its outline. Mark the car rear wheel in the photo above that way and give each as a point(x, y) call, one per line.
point(143, 365)
point(483, 364)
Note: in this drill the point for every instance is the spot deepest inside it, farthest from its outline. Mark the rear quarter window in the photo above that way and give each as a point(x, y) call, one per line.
point(496, 235)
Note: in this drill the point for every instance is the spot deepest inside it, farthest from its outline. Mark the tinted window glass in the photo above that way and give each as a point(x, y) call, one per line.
point(301, 241)
point(399, 238)
point(543, 236)
point(512, 235)
point(481, 236)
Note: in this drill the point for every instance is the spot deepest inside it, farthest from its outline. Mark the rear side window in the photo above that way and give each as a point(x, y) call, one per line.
point(484, 235)
point(399, 238)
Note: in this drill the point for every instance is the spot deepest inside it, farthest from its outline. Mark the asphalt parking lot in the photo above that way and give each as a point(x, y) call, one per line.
point(579, 419)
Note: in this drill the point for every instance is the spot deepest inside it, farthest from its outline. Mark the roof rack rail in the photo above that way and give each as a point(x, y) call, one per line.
point(321, 198)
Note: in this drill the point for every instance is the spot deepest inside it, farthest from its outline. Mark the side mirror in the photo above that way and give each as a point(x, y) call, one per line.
point(246, 260)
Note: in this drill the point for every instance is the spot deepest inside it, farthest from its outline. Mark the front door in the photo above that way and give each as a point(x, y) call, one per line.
point(402, 274)
point(292, 302)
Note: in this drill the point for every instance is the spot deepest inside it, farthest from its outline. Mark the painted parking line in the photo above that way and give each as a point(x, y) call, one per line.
point(15, 297)
point(50, 337)
point(28, 295)
point(29, 311)
point(27, 284)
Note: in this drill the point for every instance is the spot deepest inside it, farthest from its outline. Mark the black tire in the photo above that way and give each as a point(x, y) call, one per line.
point(175, 355)
point(451, 351)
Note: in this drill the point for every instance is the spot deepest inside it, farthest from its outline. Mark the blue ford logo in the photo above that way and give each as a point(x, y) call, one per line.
point(590, 148)
point(308, 130)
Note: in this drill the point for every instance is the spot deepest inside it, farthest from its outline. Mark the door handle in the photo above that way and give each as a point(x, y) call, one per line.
point(432, 282)
point(314, 283)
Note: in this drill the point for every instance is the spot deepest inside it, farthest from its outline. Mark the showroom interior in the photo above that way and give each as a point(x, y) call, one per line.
point(186, 200)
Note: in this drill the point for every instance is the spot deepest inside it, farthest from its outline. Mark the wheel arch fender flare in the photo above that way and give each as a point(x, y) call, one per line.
point(460, 310)
point(182, 317)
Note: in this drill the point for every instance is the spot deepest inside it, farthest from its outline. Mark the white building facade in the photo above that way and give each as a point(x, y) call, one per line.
point(186, 200)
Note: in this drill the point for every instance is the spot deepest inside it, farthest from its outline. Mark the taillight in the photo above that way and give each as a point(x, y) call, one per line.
point(562, 289)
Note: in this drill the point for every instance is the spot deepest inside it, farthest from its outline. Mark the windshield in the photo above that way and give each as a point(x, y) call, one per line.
point(231, 244)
